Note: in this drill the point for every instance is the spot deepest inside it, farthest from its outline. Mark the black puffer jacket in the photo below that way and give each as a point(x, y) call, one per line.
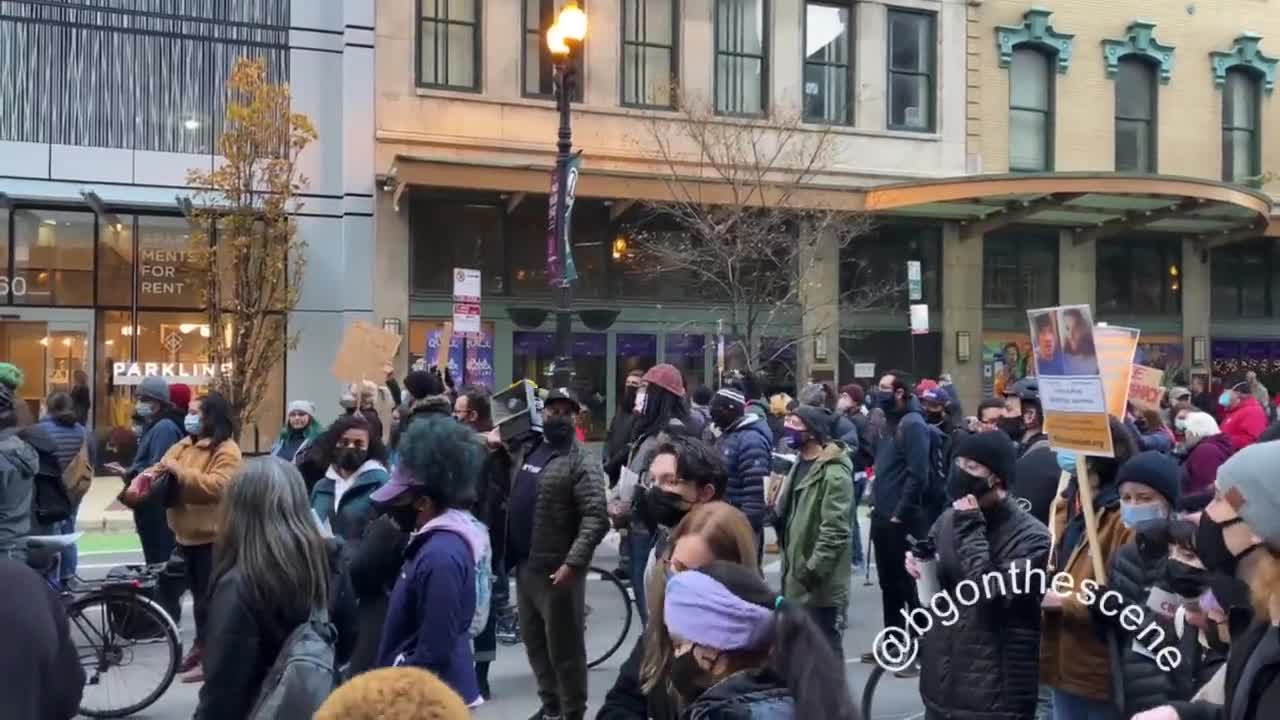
point(986, 665)
point(748, 695)
point(1261, 699)
point(569, 517)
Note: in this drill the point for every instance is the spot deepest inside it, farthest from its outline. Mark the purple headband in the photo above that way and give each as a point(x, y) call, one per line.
point(699, 609)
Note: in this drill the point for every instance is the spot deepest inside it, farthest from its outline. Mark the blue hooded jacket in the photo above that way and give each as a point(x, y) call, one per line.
point(747, 450)
point(902, 469)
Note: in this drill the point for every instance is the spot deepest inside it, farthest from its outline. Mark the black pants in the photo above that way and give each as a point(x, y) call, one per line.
point(828, 621)
point(199, 564)
point(897, 588)
point(553, 625)
point(153, 531)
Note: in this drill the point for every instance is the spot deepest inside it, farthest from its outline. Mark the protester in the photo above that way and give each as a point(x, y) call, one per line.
point(937, 410)
point(157, 433)
point(81, 396)
point(898, 494)
point(1179, 398)
point(746, 447)
point(1202, 397)
point(271, 573)
point(823, 395)
point(342, 500)
point(190, 480)
point(403, 693)
point(1258, 391)
point(983, 664)
point(779, 405)
point(990, 413)
point(180, 397)
point(428, 395)
point(1236, 539)
point(434, 603)
point(62, 424)
point(685, 473)
point(471, 408)
point(1074, 661)
point(1038, 471)
point(700, 405)
point(1207, 449)
point(18, 466)
point(301, 428)
point(617, 448)
point(709, 531)
point(39, 661)
point(738, 650)
point(1152, 432)
point(851, 405)
point(1243, 419)
point(558, 517)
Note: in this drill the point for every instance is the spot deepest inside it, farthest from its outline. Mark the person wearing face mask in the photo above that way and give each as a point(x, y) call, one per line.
point(746, 447)
point(557, 519)
point(357, 468)
point(813, 511)
point(157, 432)
point(997, 639)
point(1074, 660)
point(1237, 540)
point(617, 444)
point(738, 651)
point(1207, 449)
point(1243, 419)
point(300, 430)
point(851, 406)
point(438, 596)
point(1038, 471)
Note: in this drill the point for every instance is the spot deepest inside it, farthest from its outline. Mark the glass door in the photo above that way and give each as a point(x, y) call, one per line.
point(54, 349)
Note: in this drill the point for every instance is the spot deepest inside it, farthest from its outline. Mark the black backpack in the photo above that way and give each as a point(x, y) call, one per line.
point(50, 501)
point(934, 496)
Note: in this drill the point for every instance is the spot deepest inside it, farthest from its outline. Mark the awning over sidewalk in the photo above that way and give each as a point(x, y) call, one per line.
point(1094, 205)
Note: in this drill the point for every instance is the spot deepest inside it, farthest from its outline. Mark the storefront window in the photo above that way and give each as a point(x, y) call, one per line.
point(532, 357)
point(115, 262)
point(873, 268)
point(1139, 276)
point(450, 233)
point(52, 356)
point(1242, 278)
point(634, 352)
point(53, 257)
point(112, 404)
point(689, 353)
point(1020, 270)
point(470, 356)
point(527, 247)
point(166, 275)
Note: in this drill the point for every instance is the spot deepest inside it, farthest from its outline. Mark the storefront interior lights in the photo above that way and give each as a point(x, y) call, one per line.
point(44, 341)
point(66, 342)
point(110, 342)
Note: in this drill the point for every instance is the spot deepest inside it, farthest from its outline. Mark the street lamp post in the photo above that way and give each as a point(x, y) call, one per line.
point(564, 40)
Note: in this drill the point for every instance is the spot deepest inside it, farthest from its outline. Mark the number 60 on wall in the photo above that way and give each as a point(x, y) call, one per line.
point(17, 285)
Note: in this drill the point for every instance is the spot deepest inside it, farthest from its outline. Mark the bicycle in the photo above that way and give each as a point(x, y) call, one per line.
point(613, 644)
point(115, 628)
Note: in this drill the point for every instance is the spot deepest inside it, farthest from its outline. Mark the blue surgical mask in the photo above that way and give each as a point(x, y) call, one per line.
point(1225, 398)
point(192, 424)
point(1134, 514)
point(1180, 425)
point(143, 410)
point(1067, 462)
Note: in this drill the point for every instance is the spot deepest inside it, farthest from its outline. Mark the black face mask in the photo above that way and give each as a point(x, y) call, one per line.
point(350, 459)
point(888, 403)
point(1013, 427)
point(934, 417)
point(962, 482)
point(558, 430)
point(404, 516)
point(1185, 580)
point(1211, 546)
point(666, 508)
point(688, 678)
point(724, 419)
point(628, 400)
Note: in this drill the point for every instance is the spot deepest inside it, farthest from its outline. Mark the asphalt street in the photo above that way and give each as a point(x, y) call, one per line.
point(514, 690)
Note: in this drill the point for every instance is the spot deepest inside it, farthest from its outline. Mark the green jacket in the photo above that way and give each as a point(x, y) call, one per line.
point(817, 548)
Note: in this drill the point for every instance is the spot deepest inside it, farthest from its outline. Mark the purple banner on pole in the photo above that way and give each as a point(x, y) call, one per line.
point(457, 353)
point(480, 360)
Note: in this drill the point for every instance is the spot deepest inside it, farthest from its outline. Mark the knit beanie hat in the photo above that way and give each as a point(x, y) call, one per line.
point(992, 450)
point(729, 398)
point(11, 375)
point(1155, 470)
point(154, 387)
point(303, 406)
point(422, 384)
point(817, 420)
point(395, 693)
point(1248, 483)
point(180, 395)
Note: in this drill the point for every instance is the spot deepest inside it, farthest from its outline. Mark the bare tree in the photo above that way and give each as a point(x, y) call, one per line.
point(744, 222)
point(251, 266)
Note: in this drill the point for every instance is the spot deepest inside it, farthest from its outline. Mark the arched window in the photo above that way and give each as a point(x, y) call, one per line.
point(1030, 111)
point(1241, 146)
point(1135, 116)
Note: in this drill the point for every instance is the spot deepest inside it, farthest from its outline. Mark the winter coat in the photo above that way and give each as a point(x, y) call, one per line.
point(156, 440)
point(373, 567)
point(864, 456)
point(1146, 685)
point(747, 695)
point(1244, 423)
point(569, 518)
point(431, 607)
point(902, 470)
point(627, 700)
point(43, 677)
point(1200, 469)
point(203, 474)
point(985, 665)
point(353, 513)
point(291, 446)
point(847, 433)
point(816, 549)
point(67, 440)
point(747, 450)
point(617, 445)
point(1263, 697)
point(1073, 657)
point(18, 466)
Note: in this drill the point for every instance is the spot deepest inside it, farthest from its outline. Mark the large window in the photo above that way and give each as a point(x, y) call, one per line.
point(911, 69)
point(1030, 111)
point(1139, 276)
point(873, 268)
point(1135, 116)
point(741, 57)
point(52, 257)
point(1241, 147)
point(1242, 278)
point(539, 70)
point(449, 43)
point(1020, 269)
point(447, 233)
point(827, 74)
point(113, 74)
point(649, 67)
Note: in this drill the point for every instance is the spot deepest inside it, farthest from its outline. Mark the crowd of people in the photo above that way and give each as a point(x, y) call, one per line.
point(389, 538)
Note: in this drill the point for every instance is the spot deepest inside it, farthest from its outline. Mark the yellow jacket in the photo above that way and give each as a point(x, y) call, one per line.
point(203, 474)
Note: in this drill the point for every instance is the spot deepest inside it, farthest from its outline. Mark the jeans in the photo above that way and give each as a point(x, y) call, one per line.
point(1073, 707)
point(859, 487)
point(1044, 703)
point(199, 566)
point(641, 542)
point(828, 621)
point(70, 557)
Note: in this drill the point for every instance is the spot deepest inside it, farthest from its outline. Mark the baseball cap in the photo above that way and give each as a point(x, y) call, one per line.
point(401, 481)
point(934, 395)
point(563, 394)
point(925, 386)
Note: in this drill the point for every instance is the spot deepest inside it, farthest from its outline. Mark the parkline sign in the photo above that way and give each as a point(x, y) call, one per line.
point(184, 373)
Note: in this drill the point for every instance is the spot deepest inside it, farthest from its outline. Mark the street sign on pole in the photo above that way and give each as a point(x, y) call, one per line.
point(914, 283)
point(919, 319)
point(466, 300)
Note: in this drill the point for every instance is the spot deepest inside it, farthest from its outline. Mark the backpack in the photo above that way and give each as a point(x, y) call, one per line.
point(50, 502)
point(78, 475)
point(303, 674)
point(934, 496)
point(484, 584)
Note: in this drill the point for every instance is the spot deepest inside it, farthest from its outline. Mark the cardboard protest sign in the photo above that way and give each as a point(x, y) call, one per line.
point(1116, 349)
point(1072, 396)
point(364, 351)
point(1146, 387)
point(442, 350)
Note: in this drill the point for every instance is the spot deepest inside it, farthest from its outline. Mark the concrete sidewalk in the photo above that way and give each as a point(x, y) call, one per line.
point(100, 511)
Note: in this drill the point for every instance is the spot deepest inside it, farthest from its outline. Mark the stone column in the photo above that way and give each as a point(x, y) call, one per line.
point(1077, 266)
point(962, 311)
point(820, 303)
point(1195, 280)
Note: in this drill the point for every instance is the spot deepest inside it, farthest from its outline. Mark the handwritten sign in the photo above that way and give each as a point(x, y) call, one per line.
point(1146, 387)
point(364, 351)
point(1116, 348)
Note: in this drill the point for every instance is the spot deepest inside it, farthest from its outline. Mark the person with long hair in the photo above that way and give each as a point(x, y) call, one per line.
point(357, 468)
point(301, 428)
point(738, 650)
point(271, 572)
point(61, 423)
point(191, 479)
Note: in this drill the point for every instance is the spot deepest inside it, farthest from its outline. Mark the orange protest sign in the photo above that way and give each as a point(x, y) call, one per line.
point(442, 350)
point(1146, 387)
point(364, 351)
point(1116, 348)
point(1083, 433)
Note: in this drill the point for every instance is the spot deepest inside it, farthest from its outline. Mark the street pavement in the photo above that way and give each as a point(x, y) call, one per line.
point(514, 691)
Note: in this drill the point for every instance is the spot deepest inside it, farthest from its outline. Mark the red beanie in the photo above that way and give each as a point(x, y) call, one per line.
point(180, 396)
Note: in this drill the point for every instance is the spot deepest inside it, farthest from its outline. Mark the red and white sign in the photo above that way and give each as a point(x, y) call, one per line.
point(466, 300)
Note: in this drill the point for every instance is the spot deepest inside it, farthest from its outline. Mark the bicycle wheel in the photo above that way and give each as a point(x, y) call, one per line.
point(869, 690)
point(129, 649)
point(608, 617)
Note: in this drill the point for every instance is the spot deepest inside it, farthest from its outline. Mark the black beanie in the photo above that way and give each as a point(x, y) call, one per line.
point(1155, 470)
point(994, 451)
point(422, 384)
point(817, 420)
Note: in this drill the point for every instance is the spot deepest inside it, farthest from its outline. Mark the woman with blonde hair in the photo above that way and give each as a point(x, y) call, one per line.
point(710, 531)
